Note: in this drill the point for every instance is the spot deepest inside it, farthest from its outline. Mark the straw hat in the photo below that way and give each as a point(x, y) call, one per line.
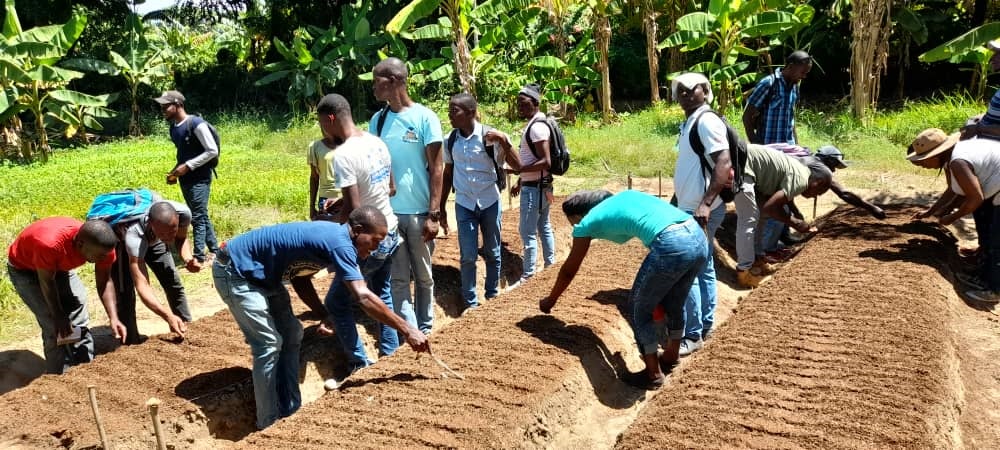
point(930, 143)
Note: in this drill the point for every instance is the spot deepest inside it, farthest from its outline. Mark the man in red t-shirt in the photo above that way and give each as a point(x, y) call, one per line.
point(41, 261)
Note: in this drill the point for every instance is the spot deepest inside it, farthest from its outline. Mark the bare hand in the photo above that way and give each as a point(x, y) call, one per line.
point(326, 328)
point(171, 178)
point(701, 214)
point(515, 190)
point(444, 222)
point(332, 206)
point(193, 265)
point(118, 328)
point(947, 220)
point(803, 227)
point(430, 229)
point(177, 325)
point(181, 170)
point(546, 304)
point(494, 135)
point(922, 215)
point(417, 340)
point(63, 327)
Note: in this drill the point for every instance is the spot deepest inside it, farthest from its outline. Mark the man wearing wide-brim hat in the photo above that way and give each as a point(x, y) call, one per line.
point(972, 171)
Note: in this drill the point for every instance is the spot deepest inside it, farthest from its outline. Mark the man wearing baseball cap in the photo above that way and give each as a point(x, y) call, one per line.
point(833, 158)
point(197, 155)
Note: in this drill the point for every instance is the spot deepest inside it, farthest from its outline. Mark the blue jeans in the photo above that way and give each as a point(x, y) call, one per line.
point(699, 307)
point(676, 257)
point(73, 297)
point(275, 336)
point(469, 224)
point(377, 269)
point(196, 195)
point(412, 261)
point(535, 221)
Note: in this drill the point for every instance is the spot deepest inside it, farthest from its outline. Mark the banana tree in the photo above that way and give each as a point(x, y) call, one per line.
point(28, 74)
point(78, 112)
point(728, 27)
point(968, 48)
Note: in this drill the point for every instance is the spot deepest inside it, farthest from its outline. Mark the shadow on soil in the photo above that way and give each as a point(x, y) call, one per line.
point(600, 364)
point(225, 397)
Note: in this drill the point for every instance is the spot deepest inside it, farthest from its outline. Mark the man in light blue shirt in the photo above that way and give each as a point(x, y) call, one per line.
point(413, 135)
point(473, 167)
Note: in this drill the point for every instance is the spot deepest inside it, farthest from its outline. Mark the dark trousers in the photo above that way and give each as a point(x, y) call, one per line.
point(987, 218)
point(160, 261)
point(196, 195)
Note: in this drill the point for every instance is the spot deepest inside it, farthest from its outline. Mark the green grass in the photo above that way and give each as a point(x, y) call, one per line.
point(263, 177)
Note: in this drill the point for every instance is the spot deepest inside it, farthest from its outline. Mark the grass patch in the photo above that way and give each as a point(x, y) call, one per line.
point(263, 176)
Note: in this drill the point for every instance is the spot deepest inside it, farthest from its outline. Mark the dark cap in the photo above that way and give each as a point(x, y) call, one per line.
point(832, 155)
point(170, 97)
point(532, 91)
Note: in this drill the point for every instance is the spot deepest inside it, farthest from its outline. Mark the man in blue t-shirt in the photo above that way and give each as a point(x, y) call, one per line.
point(249, 272)
point(413, 135)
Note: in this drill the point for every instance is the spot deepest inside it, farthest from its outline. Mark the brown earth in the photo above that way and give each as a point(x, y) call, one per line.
point(204, 380)
point(853, 344)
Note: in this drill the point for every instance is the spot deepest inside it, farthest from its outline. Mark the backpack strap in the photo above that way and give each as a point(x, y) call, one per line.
point(694, 137)
point(381, 120)
point(450, 143)
point(531, 145)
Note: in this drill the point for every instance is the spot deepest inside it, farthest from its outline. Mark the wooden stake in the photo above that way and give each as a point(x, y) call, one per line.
point(92, 393)
point(659, 178)
point(630, 181)
point(154, 407)
point(815, 200)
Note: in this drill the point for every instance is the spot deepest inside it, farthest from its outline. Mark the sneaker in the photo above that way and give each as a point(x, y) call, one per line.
point(747, 279)
point(985, 296)
point(517, 284)
point(689, 346)
point(971, 280)
point(641, 380)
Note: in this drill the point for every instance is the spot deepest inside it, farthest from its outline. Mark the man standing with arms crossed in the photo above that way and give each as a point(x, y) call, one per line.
point(413, 135)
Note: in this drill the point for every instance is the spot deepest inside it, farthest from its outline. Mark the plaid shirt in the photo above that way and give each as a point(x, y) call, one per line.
point(779, 113)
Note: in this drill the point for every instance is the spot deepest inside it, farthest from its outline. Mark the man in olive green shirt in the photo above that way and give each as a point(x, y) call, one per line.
point(770, 181)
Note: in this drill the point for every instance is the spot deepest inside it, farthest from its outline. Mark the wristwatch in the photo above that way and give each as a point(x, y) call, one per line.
point(434, 215)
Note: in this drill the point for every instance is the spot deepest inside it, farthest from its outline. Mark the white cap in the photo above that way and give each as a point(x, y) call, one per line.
point(689, 80)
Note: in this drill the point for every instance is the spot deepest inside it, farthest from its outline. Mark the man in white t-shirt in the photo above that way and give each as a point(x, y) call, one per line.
point(698, 180)
point(143, 244)
point(364, 176)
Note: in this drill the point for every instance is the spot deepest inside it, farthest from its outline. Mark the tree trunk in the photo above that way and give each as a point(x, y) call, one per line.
point(979, 10)
point(870, 28)
point(649, 25)
point(463, 59)
point(904, 64)
point(603, 33)
point(675, 57)
point(133, 121)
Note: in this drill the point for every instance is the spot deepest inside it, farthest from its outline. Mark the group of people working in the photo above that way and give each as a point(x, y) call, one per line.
point(378, 199)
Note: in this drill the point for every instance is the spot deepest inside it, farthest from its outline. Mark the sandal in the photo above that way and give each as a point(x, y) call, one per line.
point(641, 380)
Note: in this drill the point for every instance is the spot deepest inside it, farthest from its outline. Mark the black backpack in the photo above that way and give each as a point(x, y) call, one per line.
point(558, 152)
point(737, 154)
point(490, 150)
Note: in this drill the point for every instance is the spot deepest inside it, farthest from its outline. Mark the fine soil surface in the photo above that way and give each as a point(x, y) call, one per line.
point(527, 375)
point(852, 344)
point(204, 381)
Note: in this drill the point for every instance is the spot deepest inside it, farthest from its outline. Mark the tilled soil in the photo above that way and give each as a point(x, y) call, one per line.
point(846, 347)
point(523, 371)
point(204, 381)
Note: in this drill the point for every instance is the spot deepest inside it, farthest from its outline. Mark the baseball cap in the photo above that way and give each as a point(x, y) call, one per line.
point(170, 97)
point(689, 80)
point(831, 153)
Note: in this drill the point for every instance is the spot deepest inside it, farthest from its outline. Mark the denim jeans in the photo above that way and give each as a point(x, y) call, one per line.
point(699, 307)
point(159, 259)
point(196, 195)
point(377, 270)
point(772, 231)
point(275, 336)
point(412, 261)
point(73, 297)
point(470, 222)
point(676, 257)
point(535, 221)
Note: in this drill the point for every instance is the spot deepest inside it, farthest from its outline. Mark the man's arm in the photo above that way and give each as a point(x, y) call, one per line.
point(581, 245)
point(446, 184)
point(966, 179)
point(106, 290)
point(137, 268)
point(313, 189)
point(307, 292)
point(352, 201)
point(183, 246)
point(774, 207)
point(856, 201)
point(750, 116)
point(373, 306)
point(720, 176)
point(436, 170)
point(50, 293)
point(544, 160)
point(204, 136)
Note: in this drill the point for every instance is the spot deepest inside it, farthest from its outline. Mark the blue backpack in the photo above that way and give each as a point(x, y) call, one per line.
point(121, 206)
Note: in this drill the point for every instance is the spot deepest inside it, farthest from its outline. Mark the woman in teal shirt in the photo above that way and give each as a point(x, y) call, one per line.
point(677, 253)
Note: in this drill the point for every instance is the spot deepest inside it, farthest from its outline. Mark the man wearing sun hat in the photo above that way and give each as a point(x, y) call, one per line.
point(972, 170)
point(833, 158)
